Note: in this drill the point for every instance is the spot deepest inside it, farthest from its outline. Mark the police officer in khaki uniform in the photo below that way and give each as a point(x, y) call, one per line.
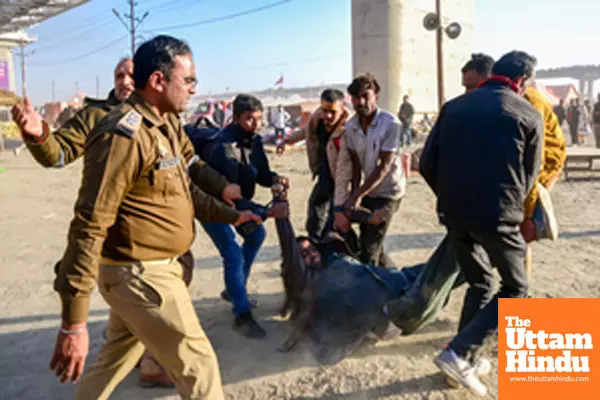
point(133, 217)
point(66, 144)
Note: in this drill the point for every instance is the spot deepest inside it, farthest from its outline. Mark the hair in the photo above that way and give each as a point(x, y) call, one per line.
point(246, 103)
point(363, 82)
point(332, 95)
point(122, 61)
point(157, 54)
point(480, 63)
point(515, 65)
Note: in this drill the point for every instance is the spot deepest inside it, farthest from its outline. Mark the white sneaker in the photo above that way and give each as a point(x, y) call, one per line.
point(461, 371)
point(482, 366)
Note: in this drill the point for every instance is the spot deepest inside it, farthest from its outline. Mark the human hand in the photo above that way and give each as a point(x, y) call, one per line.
point(528, 230)
point(279, 210)
point(247, 216)
point(28, 121)
point(340, 222)
point(231, 192)
point(70, 352)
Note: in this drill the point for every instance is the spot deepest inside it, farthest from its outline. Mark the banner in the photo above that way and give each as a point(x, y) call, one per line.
point(4, 84)
point(547, 349)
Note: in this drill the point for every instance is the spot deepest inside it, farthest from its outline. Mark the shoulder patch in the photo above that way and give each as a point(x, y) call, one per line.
point(130, 123)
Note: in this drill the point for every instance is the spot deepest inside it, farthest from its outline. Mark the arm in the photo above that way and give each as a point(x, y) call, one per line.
point(532, 157)
point(112, 164)
point(59, 148)
point(265, 177)
point(201, 174)
point(344, 174)
point(429, 157)
point(209, 209)
point(297, 135)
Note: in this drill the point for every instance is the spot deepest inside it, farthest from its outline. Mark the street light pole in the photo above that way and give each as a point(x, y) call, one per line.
point(440, 54)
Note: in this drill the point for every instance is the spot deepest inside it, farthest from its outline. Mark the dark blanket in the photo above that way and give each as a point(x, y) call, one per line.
point(351, 297)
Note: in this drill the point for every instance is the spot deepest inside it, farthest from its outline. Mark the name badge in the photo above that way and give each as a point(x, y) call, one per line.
point(171, 162)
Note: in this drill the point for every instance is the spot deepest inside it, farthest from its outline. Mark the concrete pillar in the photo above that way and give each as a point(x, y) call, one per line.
point(581, 89)
point(8, 42)
point(590, 90)
point(389, 41)
point(376, 45)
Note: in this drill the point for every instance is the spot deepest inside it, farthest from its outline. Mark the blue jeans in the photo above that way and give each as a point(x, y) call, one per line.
point(406, 133)
point(237, 260)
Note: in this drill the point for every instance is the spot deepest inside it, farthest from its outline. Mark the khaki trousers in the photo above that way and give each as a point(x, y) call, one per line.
point(151, 308)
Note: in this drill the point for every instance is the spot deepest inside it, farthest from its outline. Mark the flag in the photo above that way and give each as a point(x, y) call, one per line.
point(279, 81)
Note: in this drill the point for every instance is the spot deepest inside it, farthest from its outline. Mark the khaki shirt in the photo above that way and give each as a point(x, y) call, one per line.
point(135, 201)
point(67, 143)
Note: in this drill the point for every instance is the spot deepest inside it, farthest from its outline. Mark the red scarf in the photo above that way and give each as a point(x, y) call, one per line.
point(502, 79)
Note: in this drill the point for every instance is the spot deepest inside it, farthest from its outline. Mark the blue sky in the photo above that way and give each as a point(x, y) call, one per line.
point(308, 41)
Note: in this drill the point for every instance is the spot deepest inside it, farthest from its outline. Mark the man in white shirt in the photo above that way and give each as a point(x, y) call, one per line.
point(373, 136)
point(280, 120)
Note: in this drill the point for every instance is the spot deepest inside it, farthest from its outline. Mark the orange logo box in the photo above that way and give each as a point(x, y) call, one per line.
point(549, 349)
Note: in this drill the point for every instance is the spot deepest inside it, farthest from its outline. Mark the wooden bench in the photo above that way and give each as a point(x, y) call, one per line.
point(580, 159)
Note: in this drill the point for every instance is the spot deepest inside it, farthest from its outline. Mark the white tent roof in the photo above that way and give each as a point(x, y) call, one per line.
point(17, 15)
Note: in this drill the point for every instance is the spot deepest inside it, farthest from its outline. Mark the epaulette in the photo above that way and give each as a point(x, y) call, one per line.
point(130, 123)
point(89, 101)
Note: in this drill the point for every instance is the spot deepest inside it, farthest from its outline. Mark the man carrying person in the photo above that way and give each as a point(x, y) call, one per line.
point(467, 134)
point(372, 137)
point(133, 218)
point(238, 154)
point(327, 157)
point(405, 115)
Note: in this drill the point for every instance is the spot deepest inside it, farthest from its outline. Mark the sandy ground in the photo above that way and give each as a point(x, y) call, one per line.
point(36, 207)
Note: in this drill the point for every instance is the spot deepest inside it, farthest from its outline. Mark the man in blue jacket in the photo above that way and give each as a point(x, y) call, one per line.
point(238, 153)
point(481, 159)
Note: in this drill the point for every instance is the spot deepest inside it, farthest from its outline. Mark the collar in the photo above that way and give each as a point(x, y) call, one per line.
point(502, 80)
point(373, 123)
point(112, 99)
point(143, 107)
point(238, 134)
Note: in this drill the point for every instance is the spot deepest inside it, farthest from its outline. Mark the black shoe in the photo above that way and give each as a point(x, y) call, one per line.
point(253, 302)
point(247, 326)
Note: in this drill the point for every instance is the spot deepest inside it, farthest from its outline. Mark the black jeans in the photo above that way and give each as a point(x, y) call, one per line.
point(505, 250)
point(372, 236)
point(320, 206)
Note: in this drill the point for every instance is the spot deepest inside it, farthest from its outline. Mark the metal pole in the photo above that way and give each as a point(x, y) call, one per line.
point(53, 90)
point(440, 54)
point(132, 26)
point(23, 86)
point(97, 86)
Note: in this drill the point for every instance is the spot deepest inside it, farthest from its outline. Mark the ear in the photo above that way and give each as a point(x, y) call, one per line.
point(157, 81)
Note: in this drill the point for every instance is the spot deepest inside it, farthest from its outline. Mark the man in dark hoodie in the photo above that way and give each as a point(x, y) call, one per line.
point(238, 154)
point(481, 160)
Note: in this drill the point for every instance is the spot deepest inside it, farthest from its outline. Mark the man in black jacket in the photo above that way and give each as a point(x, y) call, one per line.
point(481, 159)
point(238, 154)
